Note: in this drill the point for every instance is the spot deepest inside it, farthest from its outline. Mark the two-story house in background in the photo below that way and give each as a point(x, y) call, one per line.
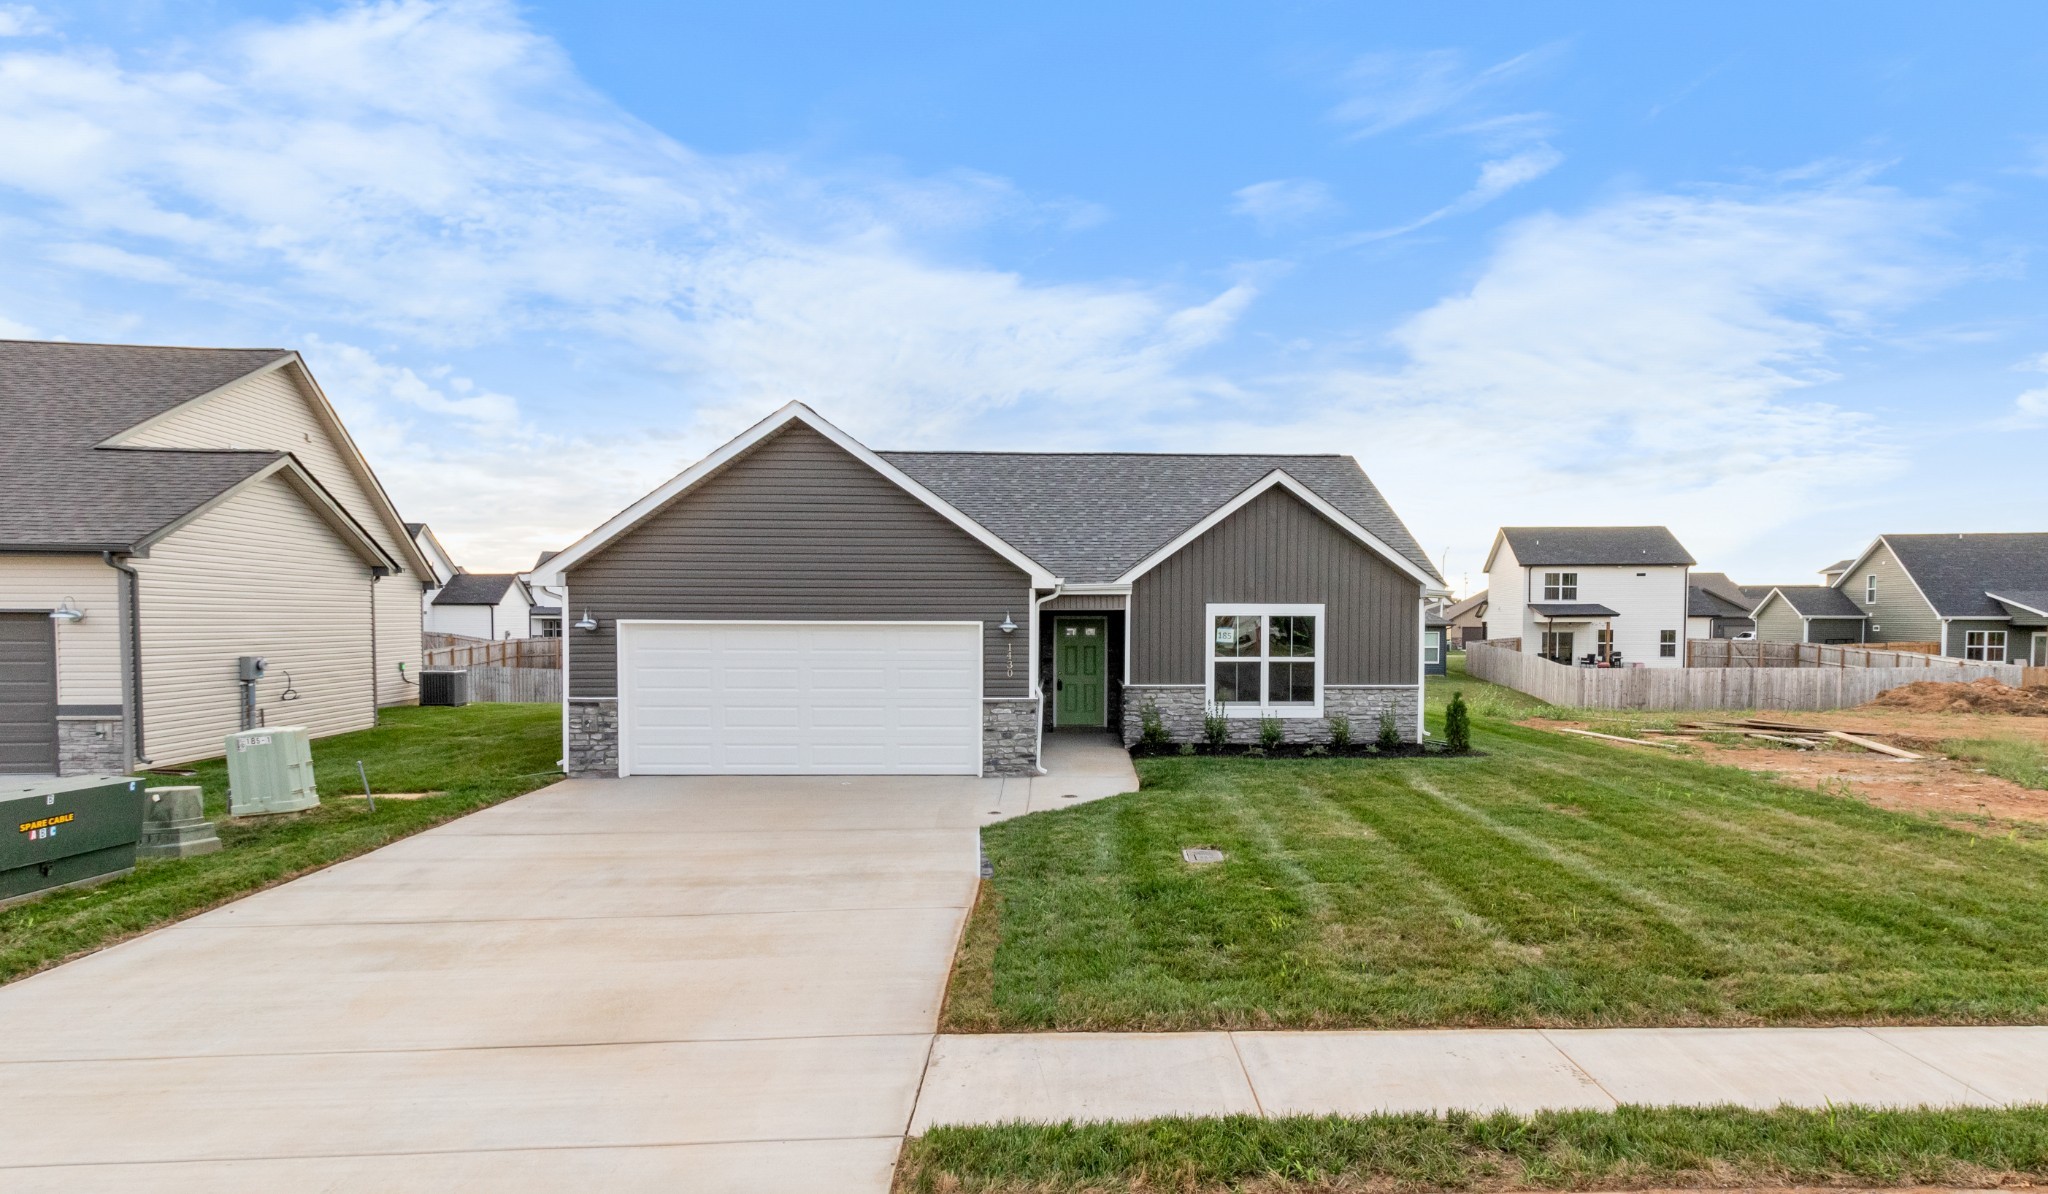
point(1983, 598)
point(1590, 594)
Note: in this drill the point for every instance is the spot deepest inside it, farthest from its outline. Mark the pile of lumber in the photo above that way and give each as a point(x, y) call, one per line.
point(1786, 733)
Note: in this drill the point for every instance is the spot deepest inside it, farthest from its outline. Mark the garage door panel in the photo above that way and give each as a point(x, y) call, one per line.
point(825, 698)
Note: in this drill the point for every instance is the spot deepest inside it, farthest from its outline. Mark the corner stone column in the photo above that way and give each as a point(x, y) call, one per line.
point(593, 738)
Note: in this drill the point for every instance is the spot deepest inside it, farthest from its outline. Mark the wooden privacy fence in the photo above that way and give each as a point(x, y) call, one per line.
point(1724, 652)
point(455, 651)
point(515, 685)
point(1784, 687)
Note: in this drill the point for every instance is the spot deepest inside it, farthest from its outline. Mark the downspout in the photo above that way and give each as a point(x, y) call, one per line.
point(134, 681)
point(377, 572)
point(1059, 584)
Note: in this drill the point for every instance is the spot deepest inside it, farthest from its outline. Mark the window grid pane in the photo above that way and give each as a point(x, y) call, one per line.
point(1237, 682)
point(1292, 683)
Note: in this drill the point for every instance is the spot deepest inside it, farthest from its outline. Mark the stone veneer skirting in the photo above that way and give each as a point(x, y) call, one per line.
point(1009, 737)
point(1182, 710)
point(92, 745)
point(593, 737)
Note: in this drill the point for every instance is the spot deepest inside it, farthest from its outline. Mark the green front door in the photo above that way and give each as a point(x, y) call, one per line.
point(1080, 670)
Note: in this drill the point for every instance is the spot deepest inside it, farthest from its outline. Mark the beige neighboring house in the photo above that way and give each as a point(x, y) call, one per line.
point(168, 511)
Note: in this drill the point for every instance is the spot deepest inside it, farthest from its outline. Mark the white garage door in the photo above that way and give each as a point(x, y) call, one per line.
point(823, 698)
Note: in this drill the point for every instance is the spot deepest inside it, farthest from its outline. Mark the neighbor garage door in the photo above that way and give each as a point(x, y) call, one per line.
point(28, 694)
point(819, 698)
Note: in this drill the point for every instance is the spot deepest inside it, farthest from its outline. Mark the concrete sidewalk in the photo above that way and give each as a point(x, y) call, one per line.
point(1050, 1077)
point(1080, 766)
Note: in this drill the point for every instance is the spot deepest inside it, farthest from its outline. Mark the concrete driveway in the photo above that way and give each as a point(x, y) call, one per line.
point(714, 985)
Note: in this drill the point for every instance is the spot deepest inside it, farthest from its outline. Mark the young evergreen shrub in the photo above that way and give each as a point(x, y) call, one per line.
point(1457, 725)
point(1216, 728)
point(1340, 732)
point(1152, 728)
point(1270, 732)
point(1390, 730)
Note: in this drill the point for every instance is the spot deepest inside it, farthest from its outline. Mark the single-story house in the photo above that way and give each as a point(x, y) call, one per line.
point(1606, 595)
point(1982, 597)
point(1716, 607)
point(490, 605)
point(797, 602)
point(1436, 644)
point(169, 511)
point(1467, 620)
point(1809, 614)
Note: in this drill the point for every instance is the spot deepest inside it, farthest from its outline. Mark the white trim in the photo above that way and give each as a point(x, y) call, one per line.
point(2023, 605)
point(1262, 610)
point(1094, 590)
point(794, 412)
point(1904, 571)
point(1421, 669)
point(619, 626)
point(1430, 585)
point(568, 649)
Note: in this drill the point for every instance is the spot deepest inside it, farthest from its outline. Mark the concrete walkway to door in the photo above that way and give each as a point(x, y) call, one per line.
point(719, 985)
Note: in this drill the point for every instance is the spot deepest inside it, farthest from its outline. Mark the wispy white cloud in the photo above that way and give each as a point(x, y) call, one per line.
point(1280, 202)
point(1643, 361)
point(22, 20)
point(1496, 178)
point(2030, 408)
point(1386, 90)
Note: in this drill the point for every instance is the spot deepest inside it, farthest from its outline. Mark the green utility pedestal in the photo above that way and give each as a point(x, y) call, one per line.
point(66, 833)
point(174, 825)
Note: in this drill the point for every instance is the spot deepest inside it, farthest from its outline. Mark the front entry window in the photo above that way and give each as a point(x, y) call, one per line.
point(1266, 660)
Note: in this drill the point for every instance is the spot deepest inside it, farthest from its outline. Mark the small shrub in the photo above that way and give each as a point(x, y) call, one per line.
point(1152, 727)
point(1390, 731)
point(1215, 728)
point(1256, 752)
point(1315, 750)
point(1270, 731)
point(1340, 731)
point(1187, 748)
point(1457, 725)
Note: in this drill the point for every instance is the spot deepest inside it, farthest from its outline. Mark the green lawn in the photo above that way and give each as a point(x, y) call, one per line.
point(1632, 1148)
point(477, 755)
point(1550, 881)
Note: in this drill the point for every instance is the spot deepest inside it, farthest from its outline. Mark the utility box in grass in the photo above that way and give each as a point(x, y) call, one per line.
point(270, 771)
point(66, 832)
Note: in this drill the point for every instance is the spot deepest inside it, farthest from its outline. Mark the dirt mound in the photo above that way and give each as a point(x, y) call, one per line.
point(1978, 696)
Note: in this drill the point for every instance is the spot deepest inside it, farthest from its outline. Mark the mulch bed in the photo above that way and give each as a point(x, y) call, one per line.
point(1290, 750)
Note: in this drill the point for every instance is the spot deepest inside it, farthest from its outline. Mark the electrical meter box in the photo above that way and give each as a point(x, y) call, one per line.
point(66, 832)
point(270, 771)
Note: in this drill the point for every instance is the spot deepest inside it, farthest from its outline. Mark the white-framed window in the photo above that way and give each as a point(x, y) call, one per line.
point(1603, 641)
point(1266, 660)
point(1667, 644)
point(1560, 586)
point(1987, 646)
point(1870, 589)
point(1432, 646)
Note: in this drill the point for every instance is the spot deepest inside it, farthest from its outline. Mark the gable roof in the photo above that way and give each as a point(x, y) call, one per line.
point(1838, 566)
point(1543, 546)
point(1713, 595)
point(1958, 573)
point(59, 400)
point(1815, 601)
point(477, 588)
point(1461, 608)
point(1052, 504)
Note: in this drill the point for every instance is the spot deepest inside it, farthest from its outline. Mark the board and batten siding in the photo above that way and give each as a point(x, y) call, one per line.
point(259, 574)
point(88, 652)
point(798, 529)
point(1901, 614)
point(1276, 550)
point(270, 411)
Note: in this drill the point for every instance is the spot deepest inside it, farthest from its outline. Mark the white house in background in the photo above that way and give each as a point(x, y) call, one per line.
point(546, 615)
point(437, 557)
point(490, 605)
point(1604, 594)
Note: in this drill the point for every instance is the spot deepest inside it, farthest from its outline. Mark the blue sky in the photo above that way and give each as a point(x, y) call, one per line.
point(1770, 274)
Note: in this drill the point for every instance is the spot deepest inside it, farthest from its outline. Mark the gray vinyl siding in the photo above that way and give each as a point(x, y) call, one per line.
point(1901, 614)
point(1832, 630)
point(1778, 622)
point(798, 529)
point(1277, 550)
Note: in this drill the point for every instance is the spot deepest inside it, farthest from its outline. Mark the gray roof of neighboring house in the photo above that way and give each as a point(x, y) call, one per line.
point(414, 528)
point(1542, 546)
point(59, 400)
point(1820, 601)
point(544, 558)
point(1838, 566)
point(1572, 609)
point(1460, 609)
point(1713, 595)
point(1959, 572)
point(1091, 516)
point(1754, 594)
point(476, 588)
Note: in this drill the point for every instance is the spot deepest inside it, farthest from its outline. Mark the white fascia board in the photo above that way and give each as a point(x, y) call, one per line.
point(2009, 601)
point(1903, 571)
point(794, 412)
point(1110, 589)
point(1499, 537)
point(1431, 587)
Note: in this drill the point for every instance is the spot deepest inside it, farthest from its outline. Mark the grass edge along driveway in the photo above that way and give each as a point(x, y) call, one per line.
point(476, 755)
point(1628, 1148)
point(1555, 881)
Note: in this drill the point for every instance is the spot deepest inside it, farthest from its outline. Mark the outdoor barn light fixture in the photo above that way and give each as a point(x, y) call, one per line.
point(1008, 627)
point(67, 612)
point(586, 623)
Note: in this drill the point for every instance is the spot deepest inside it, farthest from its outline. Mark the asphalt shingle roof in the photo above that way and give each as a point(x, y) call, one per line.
point(476, 588)
point(1959, 572)
point(1542, 546)
point(1713, 595)
point(58, 400)
point(1821, 601)
point(1572, 609)
point(1091, 516)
